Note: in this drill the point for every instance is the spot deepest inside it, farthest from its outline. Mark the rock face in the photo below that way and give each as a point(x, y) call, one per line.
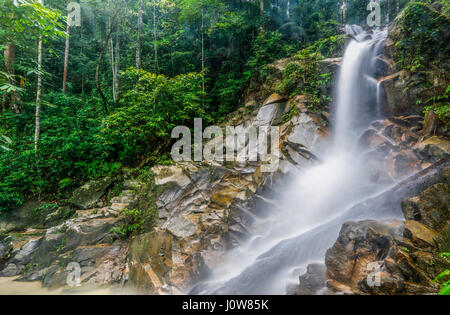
point(313, 280)
point(394, 257)
point(87, 196)
point(85, 239)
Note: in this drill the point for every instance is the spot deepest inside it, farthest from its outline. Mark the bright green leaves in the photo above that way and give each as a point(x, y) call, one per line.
point(149, 110)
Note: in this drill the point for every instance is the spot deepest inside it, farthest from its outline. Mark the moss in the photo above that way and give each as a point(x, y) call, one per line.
point(303, 76)
point(421, 37)
point(143, 216)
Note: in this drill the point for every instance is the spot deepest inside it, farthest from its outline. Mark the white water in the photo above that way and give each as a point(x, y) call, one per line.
point(316, 196)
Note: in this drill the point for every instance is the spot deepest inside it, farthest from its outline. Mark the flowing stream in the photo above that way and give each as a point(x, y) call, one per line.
point(310, 211)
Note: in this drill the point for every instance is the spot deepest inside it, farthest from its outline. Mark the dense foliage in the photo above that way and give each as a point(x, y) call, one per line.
point(185, 59)
point(422, 36)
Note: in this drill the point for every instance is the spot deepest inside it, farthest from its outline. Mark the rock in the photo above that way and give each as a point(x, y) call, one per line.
point(151, 261)
point(302, 102)
point(5, 248)
point(271, 114)
point(420, 235)
point(89, 232)
point(313, 280)
point(434, 148)
point(23, 257)
point(181, 227)
point(402, 164)
point(274, 99)
point(330, 65)
point(370, 139)
point(251, 103)
point(430, 208)
point(392, 257)
point(430, 124)
point(170, 174)
point(89, 194)
point(397, 101)
point(304, 132)
point(10, 271)
point(359, 244)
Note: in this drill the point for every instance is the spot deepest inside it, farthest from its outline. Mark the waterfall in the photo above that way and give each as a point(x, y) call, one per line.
point(312, 207)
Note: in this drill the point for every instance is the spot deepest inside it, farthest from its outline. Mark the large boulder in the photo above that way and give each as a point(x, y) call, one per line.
point(304, 131)
point(395, 257)
point(25, 254)
point(272, 111)
point(359, 244)
point(434, 148)
point(430, 208)
point(88, 195)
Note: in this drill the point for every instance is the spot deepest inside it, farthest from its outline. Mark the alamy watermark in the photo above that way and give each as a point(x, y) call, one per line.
point(374, 277)
point(374, 17)
point(240, 144)
point(74, 14)
point(74, 274)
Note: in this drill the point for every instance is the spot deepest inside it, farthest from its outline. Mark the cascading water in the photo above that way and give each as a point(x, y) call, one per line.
point(313, 206)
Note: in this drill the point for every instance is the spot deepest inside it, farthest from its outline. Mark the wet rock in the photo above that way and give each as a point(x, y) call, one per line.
point(392, 257)
point(397, 101)
point(371, 139)
point(358, 244)
point(420, 235)
point(11, 270)
point(402, 164)
point(89, 194)
point(151, 261)
point(430, 208)
point(304, 132)
point(25, 254)
point(313, 280)
point(434, 148)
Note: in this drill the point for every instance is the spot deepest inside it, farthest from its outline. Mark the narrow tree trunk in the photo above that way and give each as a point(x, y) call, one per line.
point(389, 11)
point(203, 57)
point(66, 59)
point(344, 12)
point(138, 41)
point(397, 4)
point(116, 70)
point(8, 65)
point(155, 44)
point(113, 67)
point(38, 98)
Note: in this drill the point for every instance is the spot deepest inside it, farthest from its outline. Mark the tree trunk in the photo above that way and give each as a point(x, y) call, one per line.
point(344, 12)
point(389, 11)
point(397, 4)
point(66, 59)
point(9, 99)
point(203, 57)
point(116, 70)
point(38, 98)
point(155, 44)
point(138, 41)
point(113, 67)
